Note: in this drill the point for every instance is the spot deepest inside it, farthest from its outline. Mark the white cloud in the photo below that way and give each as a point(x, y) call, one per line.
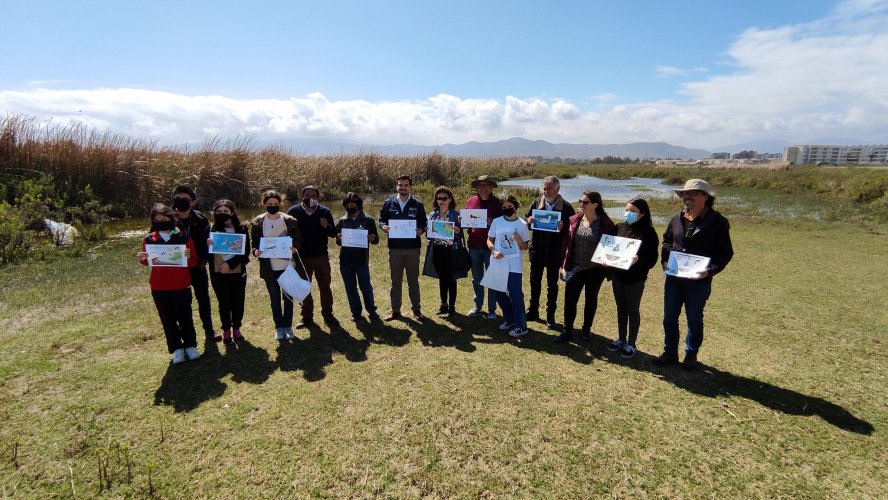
point(824, 78)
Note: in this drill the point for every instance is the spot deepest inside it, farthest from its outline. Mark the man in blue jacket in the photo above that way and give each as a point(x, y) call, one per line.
point(404, 252)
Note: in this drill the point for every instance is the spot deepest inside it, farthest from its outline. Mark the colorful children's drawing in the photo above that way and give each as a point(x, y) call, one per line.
point(473, 218)
point(686, 265)
point(228, 243)
point(166, 255)
point(440, 229)
point(616, 251)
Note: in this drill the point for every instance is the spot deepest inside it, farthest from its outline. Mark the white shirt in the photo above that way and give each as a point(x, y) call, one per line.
point(503, 232)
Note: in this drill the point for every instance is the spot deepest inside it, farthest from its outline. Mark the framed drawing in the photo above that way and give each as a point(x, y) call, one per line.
point(545, 220)
point(686, 265)
point(615, 251)
point(440, 229)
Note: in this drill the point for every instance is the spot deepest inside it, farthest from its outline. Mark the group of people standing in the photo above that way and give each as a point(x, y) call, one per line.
point(563, 254)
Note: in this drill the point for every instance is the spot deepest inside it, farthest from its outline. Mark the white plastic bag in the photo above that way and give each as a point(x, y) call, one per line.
point(293, 286)
point(62, 234)
point(496, 276)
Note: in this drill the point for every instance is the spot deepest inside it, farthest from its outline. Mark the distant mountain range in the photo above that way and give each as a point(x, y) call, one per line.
point(517, 146)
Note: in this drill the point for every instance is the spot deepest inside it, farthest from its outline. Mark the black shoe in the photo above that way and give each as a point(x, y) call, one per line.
point(305, 323)
point(550, 322)
point(331, 320)
point(392, 316)
point(533, 315)
point(212, 336)
point(690, 361)
point(418, 316)
point(357, 318)
point(373, 316)
point(585, 336)
point(442, 309)
point(451, 311)
point(564, 337)
point(666, 359)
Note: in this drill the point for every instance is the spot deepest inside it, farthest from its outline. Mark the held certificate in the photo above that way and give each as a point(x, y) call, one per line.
point(616, 251)
point(355, 238)
point(686, 265)
point(276, 248)
point(402, 228)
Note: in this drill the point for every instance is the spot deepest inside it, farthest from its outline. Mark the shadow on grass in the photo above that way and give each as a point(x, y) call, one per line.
point(311, 355)
point(711, 382)
point(186, 386)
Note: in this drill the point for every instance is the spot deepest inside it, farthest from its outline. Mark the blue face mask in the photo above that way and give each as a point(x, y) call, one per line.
point(631, 217)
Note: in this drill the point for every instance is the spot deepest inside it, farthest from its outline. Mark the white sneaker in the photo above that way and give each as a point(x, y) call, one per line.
point(288, 333)
point(491, 316)
point(506, 326)
point(472, 312)
point(518, 332)
point(178, 356)
point(280, 334)
point(191, 353)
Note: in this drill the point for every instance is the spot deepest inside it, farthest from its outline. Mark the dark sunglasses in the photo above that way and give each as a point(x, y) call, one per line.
point(443, 199)
point(585, 202)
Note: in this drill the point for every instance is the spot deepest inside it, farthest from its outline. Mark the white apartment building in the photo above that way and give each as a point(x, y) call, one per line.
point(836, 155)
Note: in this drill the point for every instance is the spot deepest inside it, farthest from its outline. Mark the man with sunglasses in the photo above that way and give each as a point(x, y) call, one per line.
point(697, 230)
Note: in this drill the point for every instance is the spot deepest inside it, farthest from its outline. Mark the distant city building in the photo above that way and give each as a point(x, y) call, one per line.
point(836, 155)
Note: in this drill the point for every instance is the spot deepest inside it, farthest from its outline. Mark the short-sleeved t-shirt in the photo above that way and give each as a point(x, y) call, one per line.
point(503, 232)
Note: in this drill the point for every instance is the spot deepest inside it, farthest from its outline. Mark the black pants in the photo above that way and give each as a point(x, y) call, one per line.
point(201, 285)
point(230, 292)
point(442, 259)
point(174, 308)
point(552, 267)
point(628, 299)
point(590, 279)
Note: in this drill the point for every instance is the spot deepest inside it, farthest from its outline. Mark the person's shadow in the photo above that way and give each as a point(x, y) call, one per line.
point(312, 354)
point(187, 386)
point(711, 382)
point(390, 334)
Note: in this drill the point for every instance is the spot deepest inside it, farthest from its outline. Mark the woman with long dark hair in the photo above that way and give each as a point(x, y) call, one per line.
point(440, 251)
point(228, 272)
point(584, 232)
point(628, 284)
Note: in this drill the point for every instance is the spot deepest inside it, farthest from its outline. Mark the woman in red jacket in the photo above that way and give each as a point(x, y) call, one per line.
point(171, 285)
point(578, 270)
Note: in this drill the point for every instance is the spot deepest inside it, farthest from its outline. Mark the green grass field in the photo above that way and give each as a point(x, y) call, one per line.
point(792, 401)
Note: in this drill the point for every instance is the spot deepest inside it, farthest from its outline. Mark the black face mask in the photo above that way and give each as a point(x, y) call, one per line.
point(352, 210)
point(162, 225)
point(508, 212)
point(222, 218)
point(272, 209)
point(181, 204)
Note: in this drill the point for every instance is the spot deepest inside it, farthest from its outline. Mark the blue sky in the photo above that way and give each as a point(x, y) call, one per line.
point(693, 73)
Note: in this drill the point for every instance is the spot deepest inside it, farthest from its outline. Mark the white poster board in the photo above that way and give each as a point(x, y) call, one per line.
point(402, 228)
point(616, 251)
point(475, 218)
point(166, 255)
point(686, 265)
point(355, 238)
point(276, 248)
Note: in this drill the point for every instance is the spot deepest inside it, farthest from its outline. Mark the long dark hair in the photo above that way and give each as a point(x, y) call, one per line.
point(161, 209)
point(595, 197)
point(235, 221)
point(642, 205)
point(446, 190)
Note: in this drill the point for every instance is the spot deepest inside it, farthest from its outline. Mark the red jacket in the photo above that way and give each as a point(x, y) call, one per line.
point(605, 226)
point(170, 278)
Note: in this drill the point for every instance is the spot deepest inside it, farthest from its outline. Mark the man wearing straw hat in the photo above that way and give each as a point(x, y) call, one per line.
point(477, 244)
point(697, 230)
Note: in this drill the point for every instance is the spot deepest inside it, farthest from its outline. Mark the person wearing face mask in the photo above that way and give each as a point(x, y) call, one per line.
point(545, 251)
point(228, 273)
point(274, 224)
point(171, 286)
point(628, 284)
point(195, 225)
point(696, 230)
point(315, 225)
point(508, 238)
point(354, 262)
point(584, 232)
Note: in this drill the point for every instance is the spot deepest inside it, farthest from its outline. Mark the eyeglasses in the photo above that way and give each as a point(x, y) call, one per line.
point(692, 193)
point(443, 199)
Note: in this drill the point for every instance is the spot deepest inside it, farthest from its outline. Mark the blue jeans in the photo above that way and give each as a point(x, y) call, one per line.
point(692, 294)
point(481, 261)
point(512, 303)
point(352, 278)
point(282, 318)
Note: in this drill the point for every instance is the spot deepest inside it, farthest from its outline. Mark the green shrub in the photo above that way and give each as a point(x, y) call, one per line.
point(15, 237)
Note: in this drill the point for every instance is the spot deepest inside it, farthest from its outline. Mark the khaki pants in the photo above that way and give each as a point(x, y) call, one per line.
point(401, 260)
point(319, 268)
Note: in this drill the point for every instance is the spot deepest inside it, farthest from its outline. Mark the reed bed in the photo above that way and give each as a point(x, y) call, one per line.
point(132, 174)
